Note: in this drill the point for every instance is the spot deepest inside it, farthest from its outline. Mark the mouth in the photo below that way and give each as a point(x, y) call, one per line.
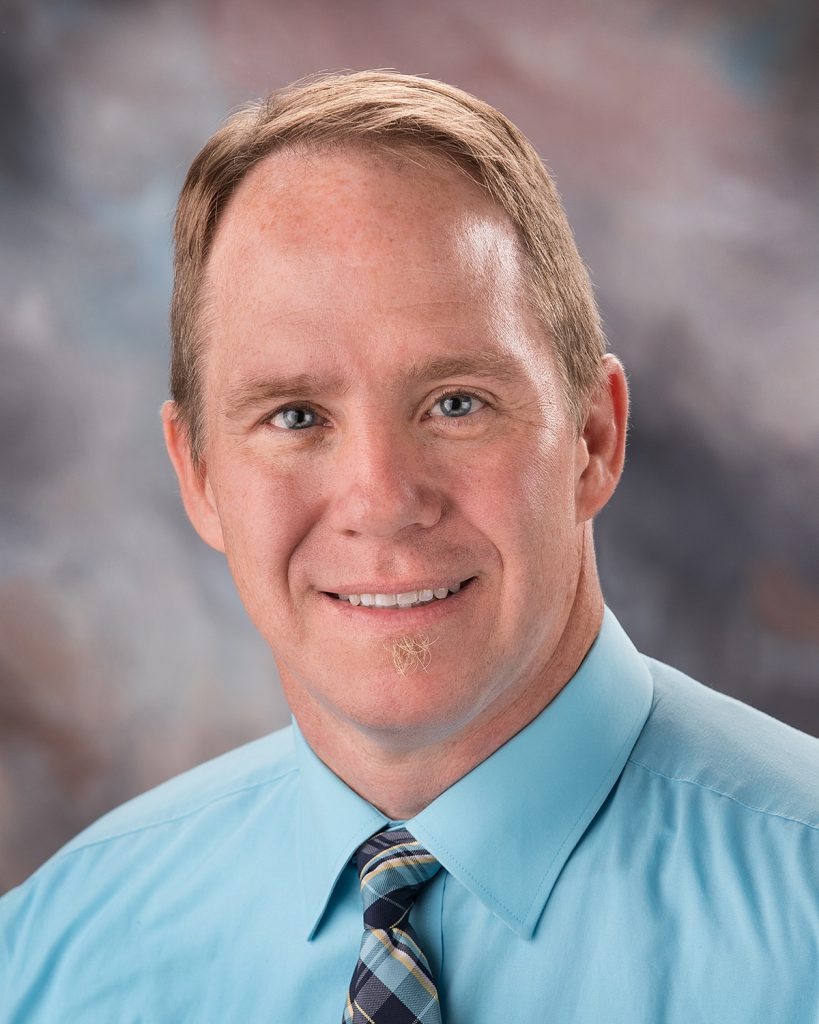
point(423, 597)
point(412, 615)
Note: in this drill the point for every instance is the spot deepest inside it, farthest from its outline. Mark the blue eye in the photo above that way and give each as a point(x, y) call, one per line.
point(294, 418)
point(457, 397)
point(455, 406)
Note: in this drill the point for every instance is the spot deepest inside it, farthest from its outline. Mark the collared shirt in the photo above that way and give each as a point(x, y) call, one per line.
point(645, 850)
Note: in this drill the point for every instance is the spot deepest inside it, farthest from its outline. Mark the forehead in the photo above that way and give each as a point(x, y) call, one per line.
point(360, 203)
point(322, 254)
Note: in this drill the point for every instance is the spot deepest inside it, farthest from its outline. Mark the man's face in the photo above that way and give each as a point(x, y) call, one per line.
point(359, 271)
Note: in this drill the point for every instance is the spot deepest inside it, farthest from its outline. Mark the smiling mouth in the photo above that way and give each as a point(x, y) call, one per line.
point(389, 602)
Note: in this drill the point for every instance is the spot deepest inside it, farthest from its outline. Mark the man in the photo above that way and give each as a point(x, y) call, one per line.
point(394, 413)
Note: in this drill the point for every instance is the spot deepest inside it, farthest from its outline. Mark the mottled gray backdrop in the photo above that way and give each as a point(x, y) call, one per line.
point(685, 141)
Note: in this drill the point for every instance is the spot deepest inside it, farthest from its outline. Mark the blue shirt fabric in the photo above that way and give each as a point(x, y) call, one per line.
point(646, 850)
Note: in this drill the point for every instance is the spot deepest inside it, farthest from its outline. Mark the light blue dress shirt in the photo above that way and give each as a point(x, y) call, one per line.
point(646, 850)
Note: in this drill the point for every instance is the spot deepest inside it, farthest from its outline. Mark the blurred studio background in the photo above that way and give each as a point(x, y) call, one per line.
point(684, 139)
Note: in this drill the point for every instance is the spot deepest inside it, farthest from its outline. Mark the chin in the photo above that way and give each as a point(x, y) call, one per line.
point(405, 707)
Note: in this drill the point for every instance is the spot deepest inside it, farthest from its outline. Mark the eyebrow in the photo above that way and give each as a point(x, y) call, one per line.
point(254, 391)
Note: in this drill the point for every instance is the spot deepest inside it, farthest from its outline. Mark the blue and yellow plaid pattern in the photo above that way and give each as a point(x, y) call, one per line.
point(392, 982)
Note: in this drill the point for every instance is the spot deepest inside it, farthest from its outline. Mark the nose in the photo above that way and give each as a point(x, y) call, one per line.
point(384, 481)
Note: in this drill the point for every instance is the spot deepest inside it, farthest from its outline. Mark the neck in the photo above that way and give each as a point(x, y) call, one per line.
point(400, 782)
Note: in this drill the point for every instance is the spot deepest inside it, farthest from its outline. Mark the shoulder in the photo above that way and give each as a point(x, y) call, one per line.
point(698, 737)
point(216, 789)
point(140, 875)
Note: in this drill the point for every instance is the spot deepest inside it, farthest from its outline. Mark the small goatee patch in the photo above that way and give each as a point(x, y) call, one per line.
point(410, 653)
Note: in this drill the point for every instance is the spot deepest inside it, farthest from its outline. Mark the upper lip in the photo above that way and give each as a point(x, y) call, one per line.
point(397, 588)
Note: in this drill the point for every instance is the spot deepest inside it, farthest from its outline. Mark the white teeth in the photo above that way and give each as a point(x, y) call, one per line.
point(407, 600)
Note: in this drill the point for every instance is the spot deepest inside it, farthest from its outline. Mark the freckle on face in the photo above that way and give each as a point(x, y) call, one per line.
point(343, 266)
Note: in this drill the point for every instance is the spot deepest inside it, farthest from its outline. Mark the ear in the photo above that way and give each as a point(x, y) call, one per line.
point(194, 485)
point(601, 450)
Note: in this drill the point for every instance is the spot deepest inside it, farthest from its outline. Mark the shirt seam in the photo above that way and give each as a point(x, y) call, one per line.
point(728, 796)
point(174, 818)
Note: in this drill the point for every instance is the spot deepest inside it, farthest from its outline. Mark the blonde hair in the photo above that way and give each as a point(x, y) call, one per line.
point(395, 111)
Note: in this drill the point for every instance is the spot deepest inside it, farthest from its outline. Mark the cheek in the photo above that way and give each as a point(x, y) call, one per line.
point(264, 515)
point(547, 484)
point(529, 498)
point(535, 526)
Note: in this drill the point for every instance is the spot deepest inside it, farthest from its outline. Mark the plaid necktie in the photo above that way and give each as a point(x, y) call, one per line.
point(392, 982)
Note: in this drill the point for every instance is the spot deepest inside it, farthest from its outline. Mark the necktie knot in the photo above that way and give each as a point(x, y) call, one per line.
point(392, 866)
point(392, 982)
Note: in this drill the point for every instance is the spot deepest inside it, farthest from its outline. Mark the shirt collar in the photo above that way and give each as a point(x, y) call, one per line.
point(333, 822)
point(505, 830)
